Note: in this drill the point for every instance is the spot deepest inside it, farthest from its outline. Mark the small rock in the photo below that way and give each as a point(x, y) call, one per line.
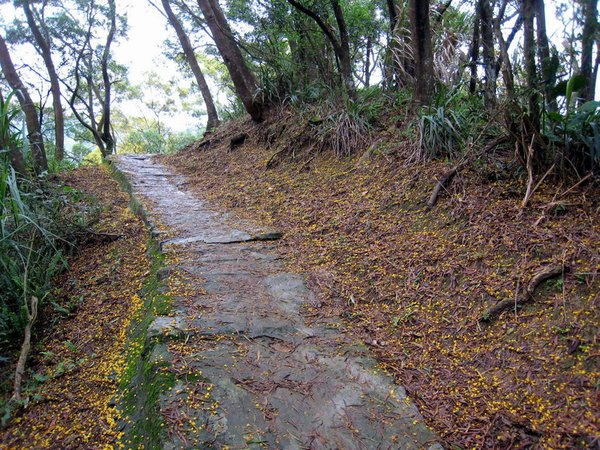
point(268, 236)
point(165, 326)
point(163, 273)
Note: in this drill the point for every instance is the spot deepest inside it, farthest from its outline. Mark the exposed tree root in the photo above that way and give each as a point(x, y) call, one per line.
point(446, 178)
point(538, 278)
point(272, 160)
point(442, 183)
point(237, 141)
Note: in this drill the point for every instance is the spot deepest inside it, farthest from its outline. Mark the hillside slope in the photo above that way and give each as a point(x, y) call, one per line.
point(414, 284)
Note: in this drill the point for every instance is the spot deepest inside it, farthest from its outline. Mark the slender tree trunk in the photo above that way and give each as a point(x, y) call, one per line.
point(393, 15)
point(190, 56)
point(548, 74)
point(244, 81)
point(344, 50)
point(340, 45)
point(423, 54)
point(368, 62)
point(84, 55)
point(107, 136)
point(590, 28)
point(489, 60)
point(32, 311)
point(34, 132)
point(529, 51)
point(44, 50)
point(505, 43)
point(504, 60)
point(474, 54)
point(391, 65)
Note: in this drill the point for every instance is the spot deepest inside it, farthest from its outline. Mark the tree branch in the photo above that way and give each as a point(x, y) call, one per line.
point(329, 33)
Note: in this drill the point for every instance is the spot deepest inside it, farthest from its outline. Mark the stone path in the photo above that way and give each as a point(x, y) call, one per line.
point(250, 372)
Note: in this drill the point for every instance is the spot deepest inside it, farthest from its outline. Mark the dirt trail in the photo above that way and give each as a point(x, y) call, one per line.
point(251, 373)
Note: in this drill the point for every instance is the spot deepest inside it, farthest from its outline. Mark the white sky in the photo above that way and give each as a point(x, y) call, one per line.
point(141, 52)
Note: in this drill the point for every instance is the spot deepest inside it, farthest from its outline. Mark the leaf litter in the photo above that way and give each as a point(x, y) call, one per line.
point(413, 283)
point(80, 357)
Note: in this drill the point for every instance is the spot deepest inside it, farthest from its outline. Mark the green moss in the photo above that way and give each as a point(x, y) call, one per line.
point(143, 382)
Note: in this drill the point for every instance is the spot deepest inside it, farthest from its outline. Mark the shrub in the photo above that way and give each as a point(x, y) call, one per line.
point(446, 124)
point(35, 222)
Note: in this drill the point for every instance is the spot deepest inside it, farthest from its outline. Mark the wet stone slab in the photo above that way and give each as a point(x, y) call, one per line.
point(264, 378)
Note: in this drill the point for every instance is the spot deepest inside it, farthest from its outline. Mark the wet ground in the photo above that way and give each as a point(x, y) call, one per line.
point(251, 372)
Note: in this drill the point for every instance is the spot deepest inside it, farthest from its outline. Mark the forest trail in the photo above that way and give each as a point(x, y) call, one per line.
point(251, 372)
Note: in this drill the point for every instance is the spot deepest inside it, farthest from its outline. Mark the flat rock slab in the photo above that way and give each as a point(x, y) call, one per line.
point(264, 378)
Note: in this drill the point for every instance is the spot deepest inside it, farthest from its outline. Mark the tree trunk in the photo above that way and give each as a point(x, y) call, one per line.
point(34, 132)
point(423, 55)
point(368, 62)
point(244, 81)
point(340, 45)
point(548, 74)
point(505, 44)
point(504, 60)
point(489, 60)
point(44, 50)
point(590, 28)
point(474, 54)
point(107, 136)
point(343, 52)
point(529, 51)
point(391, 65)
point(190, 56)
point(393, 15)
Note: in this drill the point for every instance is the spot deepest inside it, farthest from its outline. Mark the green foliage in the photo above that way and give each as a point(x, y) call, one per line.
point(370, 104)
point(35, 219)
point(576, 135)
point(31, 252)
point(234, 110)
point(152, 140)
point(93, 158)
point(7, 116)
point(447, 122)
point(143, 141)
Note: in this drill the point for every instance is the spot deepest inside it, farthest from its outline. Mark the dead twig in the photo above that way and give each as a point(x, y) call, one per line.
point(538, 278)
point(442, 183)
point(449, 175)
point(271, 162)
point(20, 371)
point(530, 178)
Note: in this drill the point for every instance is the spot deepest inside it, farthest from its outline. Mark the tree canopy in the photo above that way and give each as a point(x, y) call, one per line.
point(497, 53)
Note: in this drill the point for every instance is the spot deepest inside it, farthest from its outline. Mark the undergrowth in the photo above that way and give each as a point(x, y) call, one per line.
point(74, 371)
point(40, 222)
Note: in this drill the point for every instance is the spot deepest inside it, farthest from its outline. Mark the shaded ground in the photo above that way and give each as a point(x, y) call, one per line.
point(414, 283)
point(250, 372)
point(79, 361)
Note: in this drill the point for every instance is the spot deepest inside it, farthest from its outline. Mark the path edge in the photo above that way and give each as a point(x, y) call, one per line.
point(144, 379)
